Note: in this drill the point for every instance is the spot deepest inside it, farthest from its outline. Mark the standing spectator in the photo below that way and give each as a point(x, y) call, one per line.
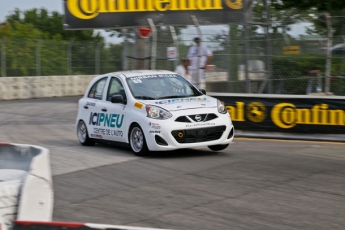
point(184, 69)
point(200, 56)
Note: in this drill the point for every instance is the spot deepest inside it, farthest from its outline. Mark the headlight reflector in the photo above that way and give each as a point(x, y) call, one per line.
point(157, 112)
point(221, 107)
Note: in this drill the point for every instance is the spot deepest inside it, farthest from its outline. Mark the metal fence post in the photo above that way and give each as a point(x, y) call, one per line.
point(97, 57)
point(154, 44)
point(246, 55)
point(69, 58)
point(329, 53)
point(197, 25)
point(124, 50)
point(268, 47)
point(3, 57)
point(175, 39)
point(38, 58)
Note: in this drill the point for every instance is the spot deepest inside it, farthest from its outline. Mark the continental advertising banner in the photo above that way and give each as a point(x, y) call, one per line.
point(97, 14)
point(284, 114)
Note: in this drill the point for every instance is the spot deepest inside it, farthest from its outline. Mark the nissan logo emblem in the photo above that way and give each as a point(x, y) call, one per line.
point(197, 117)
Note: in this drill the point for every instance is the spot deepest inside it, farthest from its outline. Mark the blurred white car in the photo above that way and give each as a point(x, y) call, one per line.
point(151, 110)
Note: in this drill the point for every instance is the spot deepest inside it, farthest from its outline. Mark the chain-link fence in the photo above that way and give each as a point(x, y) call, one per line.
point(47, 58)
point(291, 58)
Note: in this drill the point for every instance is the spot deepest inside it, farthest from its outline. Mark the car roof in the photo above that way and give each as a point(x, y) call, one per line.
point(131, 73)
point(135, 73)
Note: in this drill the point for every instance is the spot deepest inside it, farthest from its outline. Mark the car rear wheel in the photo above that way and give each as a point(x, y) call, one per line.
point(83, 135)
point(137, 141)
point(218, 147)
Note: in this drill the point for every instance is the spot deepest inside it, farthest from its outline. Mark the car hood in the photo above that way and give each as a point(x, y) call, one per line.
point(174, 104)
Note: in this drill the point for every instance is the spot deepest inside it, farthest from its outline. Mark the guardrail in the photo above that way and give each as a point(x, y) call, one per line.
point(26, 191)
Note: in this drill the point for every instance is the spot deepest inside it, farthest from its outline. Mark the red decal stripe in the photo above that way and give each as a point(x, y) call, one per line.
point(60, 224)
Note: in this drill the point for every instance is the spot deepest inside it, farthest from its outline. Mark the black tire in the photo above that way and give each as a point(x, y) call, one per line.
point(137, 141)
point(218, 147)
point(83, 135)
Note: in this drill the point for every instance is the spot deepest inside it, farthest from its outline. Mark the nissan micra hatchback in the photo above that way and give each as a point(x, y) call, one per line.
point(151, 110)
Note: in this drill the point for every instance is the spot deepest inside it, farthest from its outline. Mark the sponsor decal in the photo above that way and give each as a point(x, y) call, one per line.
point(108, 132)
point(287, 115)
point(96, 136)
point(181, 100)
point(193, 125)
point(256, 112)
point(138, 105)
point(106, 120)
point(236, 112)
point(91, 103)
point(154, 125)
point(155, 131)
point(89, 9)
point(234, 4)
point(139, 78)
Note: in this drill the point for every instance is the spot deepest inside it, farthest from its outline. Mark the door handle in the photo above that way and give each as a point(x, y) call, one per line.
point(104, 110)
point(86, 107)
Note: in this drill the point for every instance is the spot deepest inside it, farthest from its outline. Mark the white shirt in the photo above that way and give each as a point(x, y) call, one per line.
point(180, 69)
point(193, 53)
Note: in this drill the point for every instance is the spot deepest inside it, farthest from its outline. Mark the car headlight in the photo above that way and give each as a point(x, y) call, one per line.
point(221, 107)
point(157, 112)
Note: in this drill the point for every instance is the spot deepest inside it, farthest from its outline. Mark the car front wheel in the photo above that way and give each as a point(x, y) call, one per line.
point(83, 135)
point(218, 147)
point(137, 141)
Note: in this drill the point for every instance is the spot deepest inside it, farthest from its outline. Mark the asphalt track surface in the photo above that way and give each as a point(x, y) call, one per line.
point(253, 184)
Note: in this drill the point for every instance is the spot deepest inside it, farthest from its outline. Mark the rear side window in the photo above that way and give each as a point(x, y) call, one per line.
point(97, 89)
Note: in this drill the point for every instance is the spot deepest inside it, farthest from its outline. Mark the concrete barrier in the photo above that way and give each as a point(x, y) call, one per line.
point(30, 225)
point(12, 88)
point(26, 191)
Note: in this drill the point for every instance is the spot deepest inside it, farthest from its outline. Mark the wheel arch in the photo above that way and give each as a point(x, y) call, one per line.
point(130, 127)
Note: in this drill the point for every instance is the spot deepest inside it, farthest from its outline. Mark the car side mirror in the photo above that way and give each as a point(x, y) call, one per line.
point(203, 91)
point(118, 99)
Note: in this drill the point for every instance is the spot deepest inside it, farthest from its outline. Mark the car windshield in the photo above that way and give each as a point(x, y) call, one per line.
point(159, 86)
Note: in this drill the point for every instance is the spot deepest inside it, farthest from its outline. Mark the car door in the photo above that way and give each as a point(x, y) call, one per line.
point(92, 109)
point(113, 117)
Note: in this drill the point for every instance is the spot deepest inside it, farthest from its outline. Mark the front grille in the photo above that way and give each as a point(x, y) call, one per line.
point(198, 135)
point(193, 118)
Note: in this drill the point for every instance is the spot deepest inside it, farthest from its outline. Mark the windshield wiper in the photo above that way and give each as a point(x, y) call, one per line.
point(174, 96)
point(145, 98)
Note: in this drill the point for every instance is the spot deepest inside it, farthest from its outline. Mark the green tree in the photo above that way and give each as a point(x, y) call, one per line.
point(20, 47)
point(319, 5)
point(315, 8)
point(51, 25)
point(338, 23)
point(111, 57)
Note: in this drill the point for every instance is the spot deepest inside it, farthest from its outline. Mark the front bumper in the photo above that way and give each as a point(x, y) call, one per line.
point(170, 135)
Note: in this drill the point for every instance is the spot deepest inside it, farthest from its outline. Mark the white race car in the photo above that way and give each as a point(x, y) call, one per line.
point(151, 110)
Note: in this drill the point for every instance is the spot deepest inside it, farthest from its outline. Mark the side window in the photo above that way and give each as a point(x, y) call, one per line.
point(115, 88)
point(97, 89)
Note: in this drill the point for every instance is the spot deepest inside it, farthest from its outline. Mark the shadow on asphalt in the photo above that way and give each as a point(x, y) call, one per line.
point(180, 153)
